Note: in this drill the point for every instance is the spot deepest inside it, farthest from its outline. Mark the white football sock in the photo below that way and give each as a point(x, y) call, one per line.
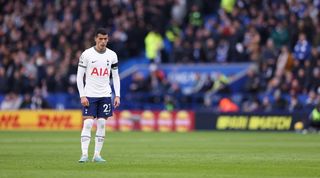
point(86, 136)
point(101, 132)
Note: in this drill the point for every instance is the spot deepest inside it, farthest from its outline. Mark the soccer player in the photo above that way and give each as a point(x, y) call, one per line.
point(96, 63)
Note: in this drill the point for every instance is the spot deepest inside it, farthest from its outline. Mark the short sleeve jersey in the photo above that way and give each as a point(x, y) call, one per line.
point(98, 68)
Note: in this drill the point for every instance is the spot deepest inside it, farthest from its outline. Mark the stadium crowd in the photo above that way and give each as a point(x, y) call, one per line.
point(41, 41)
point(280, 38)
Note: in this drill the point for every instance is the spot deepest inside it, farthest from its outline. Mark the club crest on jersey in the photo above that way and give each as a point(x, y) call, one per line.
point(100, 71)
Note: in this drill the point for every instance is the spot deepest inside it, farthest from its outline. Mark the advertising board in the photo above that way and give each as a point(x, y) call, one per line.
point(40, 120)
point(247, 121)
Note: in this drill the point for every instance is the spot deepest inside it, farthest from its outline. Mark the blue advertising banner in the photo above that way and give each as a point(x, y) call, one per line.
point(187, 75)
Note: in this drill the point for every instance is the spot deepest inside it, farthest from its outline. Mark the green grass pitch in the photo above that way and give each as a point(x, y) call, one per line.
point(138, 154)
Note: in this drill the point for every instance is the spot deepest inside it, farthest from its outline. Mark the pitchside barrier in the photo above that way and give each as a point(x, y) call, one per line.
point(150, 121)
point(271, 121)
point(40, 120)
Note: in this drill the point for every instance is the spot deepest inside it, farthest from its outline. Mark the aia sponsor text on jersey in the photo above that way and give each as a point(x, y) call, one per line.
point(100, 71)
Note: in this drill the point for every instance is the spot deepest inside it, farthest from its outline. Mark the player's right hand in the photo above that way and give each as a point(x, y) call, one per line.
point(84, 101)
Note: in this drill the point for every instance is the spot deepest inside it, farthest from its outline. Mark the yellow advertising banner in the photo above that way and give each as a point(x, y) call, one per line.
point(254, 122)
point(41, 120)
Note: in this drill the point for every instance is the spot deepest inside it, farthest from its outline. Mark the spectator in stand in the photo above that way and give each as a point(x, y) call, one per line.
point(251, 42)
point(173, 31)
point(315, 80)
point(284, 61)
point(50, 80)
point(274, 84)
point(137, 88)
point(158, 84)
point(169, 103)
point(3, 80)
point(187, 53)
point(195, 16)
point(294, 103)
point(269, 52)
point(200, 82)
point(198, 53)
point(251, 85)
point(154, 46)
point(38, 101)
point(174, 97)
point(316, 38)
point(302, 80)
point(222, 51)
point(179, 10)
point(210, 51)
point(227, 105)
point(302, 49)
point(251, 105)
point(138, 83)
point(286, 82)
point(266, 105)
point(208, 84)
point(312, 99)
point(221, 82)
point(267, 71)
point(279, 104)
point(280, 35)
point(228, 5)
point(11, 101)
point(295, 86)
point(26, 102)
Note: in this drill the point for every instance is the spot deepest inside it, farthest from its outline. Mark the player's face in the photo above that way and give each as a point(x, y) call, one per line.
point(101, 42)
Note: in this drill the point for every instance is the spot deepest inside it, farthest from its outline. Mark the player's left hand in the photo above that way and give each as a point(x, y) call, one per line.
point(116, 102)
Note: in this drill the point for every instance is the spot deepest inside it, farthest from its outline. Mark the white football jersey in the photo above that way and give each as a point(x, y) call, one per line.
point(97, 71)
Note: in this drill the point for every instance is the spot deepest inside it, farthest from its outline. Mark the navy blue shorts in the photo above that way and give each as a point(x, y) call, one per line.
point(98, 107)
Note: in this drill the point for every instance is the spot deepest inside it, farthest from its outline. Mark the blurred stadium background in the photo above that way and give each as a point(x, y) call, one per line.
point(185, 65)
point(229, 56)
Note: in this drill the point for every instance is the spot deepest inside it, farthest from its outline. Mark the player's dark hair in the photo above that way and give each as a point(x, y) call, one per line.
point(102, 31)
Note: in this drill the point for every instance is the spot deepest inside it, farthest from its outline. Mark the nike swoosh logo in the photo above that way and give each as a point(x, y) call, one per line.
point(94, 61)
